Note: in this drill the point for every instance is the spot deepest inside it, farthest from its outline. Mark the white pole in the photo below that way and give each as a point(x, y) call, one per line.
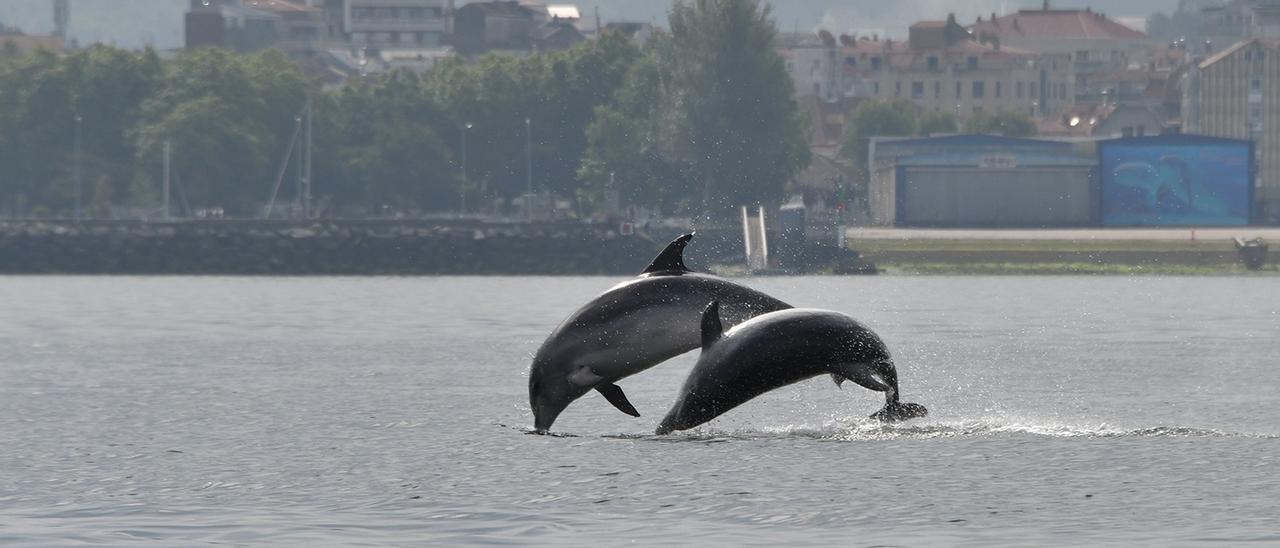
point(165, 192)
point(79, 212)
point(764, 240)
point(746, 235)
point(306, 191)
point(528, 170)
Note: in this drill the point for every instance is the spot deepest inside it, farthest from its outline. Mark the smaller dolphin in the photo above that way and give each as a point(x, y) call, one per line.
point(781, 348)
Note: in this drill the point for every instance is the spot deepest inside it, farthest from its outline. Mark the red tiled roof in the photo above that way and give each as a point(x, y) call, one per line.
point(1056, 24)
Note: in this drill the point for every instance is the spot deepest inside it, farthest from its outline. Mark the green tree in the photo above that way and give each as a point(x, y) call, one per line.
point(229, 118)
point(382, 148)
point(931, 123)
point(631, 143)
point(880, 118)
point(1007, 123)
point(111, 86)
point(37, 127)
point(746, 137)
point(556, 92)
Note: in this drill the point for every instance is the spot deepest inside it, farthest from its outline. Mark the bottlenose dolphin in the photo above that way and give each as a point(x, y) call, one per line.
point(633, 326)
point(778, 349)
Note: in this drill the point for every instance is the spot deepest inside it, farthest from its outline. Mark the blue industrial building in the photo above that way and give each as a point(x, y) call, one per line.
point(994, 181)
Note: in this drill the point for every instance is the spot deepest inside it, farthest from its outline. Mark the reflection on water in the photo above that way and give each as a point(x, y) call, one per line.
point(393, 411)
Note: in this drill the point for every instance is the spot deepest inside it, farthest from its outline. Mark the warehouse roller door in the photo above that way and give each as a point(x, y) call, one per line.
point(996, 197)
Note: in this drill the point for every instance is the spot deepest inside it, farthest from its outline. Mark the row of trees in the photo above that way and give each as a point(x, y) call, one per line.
point(699, 118)
point(900, 118)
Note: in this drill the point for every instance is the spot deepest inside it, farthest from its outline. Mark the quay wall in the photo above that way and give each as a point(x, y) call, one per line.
point(341, 248)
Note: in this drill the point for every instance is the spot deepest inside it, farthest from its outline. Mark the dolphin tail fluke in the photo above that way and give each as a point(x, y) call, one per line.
point(898, 412)
point(615, 396)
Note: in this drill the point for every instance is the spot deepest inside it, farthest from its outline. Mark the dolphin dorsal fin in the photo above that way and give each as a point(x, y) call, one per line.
point(712, 329)
point(671, 260)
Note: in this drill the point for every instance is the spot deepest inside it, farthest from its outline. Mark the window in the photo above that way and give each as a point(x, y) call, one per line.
point(998, 90)
point(937, 90)
point(851, 61)
point(875, 63)
point(979, 89)
point(933, 63)
point(1033, 90)
point(1019, 89)
point(875, 88)
point(1062, 91)
point(1255, 84)
point(973, 63)
point(917, 90)
point(959, 88)
point(897, 89)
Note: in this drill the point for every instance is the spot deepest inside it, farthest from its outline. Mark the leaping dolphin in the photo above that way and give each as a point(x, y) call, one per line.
point(778, 349)
point(633, 326)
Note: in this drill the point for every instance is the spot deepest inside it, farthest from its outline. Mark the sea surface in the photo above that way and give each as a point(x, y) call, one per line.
point(394, 411)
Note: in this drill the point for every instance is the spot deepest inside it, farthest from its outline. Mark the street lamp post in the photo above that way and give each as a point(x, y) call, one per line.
point(528, 169)
point(76, 168)
point(463, 193)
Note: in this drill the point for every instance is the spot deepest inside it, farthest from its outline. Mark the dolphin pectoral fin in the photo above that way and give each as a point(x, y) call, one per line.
point(859, 375)
point(615, 396)
point(836, 378)
point(585, 377)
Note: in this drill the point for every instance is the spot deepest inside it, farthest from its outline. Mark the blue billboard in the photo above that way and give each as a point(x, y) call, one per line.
point(1182, 181)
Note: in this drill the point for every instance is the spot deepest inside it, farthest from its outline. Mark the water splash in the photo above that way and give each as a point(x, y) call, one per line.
point(866, 430)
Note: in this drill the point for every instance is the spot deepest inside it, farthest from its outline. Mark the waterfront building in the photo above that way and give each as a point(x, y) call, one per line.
point(1236, 94)
point(941, 67)
point(396, 23)
point(1097, 44)
point(514, 27)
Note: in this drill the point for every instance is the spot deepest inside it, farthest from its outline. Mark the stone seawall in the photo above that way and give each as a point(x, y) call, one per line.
point(339, 248)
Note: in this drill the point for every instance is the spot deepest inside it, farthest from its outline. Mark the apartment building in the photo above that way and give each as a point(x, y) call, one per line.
point(1097, 44)
point(1236, 94)
point(941, 67)
point(396, 23)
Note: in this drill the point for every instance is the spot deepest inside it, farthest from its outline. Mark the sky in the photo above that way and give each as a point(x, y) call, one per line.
point(137, 23)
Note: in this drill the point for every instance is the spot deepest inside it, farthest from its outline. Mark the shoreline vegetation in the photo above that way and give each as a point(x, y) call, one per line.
point(970, 256)
point(413, 248)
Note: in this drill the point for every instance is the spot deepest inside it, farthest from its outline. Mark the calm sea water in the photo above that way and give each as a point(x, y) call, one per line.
point(393, 411)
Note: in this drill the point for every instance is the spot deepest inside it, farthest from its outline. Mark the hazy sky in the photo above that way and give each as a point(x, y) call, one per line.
point(135, 23)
